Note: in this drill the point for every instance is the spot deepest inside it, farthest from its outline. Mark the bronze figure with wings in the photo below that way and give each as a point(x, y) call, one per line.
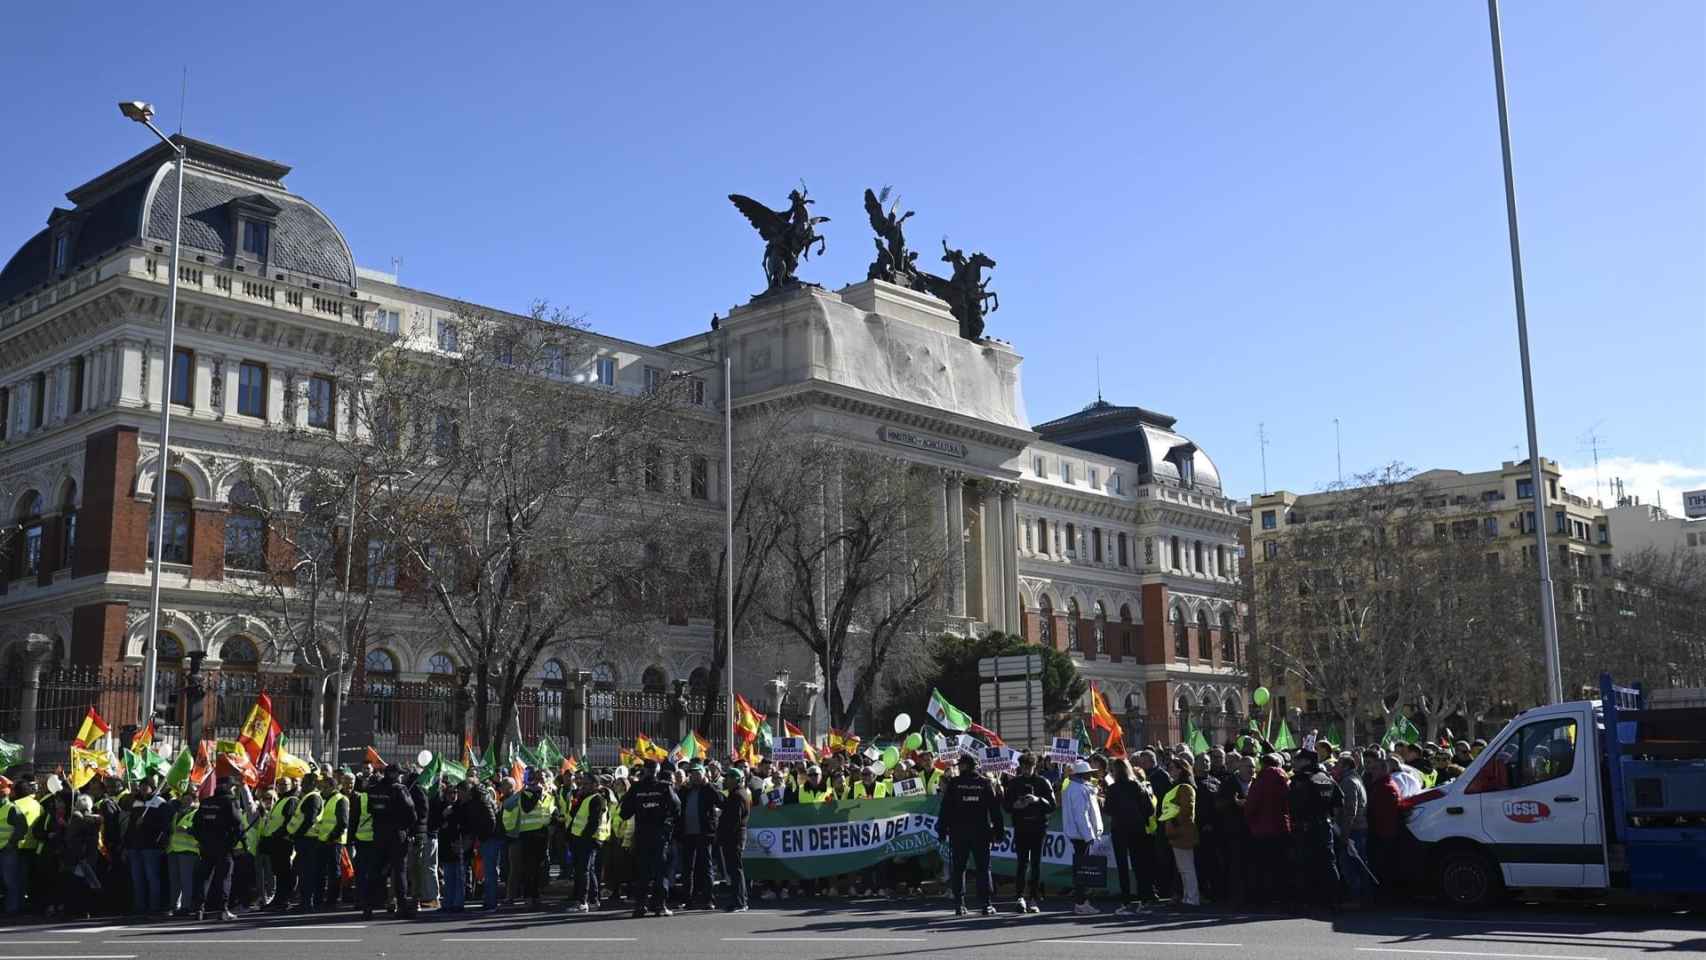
point(966, 292)
point(788, 235)
point(894, 262)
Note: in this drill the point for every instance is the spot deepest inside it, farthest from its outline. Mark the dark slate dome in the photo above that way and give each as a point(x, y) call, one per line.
point(1141, 436)
point(132, 204)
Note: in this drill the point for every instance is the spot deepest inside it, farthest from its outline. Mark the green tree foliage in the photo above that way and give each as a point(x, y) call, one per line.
point(953, 670)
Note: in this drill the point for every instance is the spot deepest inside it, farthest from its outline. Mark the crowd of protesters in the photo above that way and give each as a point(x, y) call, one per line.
point(1244, 825)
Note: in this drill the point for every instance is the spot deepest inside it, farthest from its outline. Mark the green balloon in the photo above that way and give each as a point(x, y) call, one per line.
point(912, 743)
point(1260, 696)
point(891, 758)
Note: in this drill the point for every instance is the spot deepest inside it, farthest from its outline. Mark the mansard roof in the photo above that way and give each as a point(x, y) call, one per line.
point(1137, 434)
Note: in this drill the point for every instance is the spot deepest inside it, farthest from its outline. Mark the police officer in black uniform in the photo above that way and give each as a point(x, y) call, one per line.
point(218, 829)
point(393, 813)
point(653, 807)
point(969, 820)
point(1314, 801)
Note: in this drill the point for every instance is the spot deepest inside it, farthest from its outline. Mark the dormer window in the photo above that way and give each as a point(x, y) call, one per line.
point(1183, 458)
point(255, 237)
point(62, 253)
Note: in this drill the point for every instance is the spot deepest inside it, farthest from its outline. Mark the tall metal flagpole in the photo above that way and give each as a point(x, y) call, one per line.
point(1548, 608)
point(729, 545)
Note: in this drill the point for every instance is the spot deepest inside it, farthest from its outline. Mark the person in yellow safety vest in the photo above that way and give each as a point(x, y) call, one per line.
point(814, 790)
point(527, 812)
point(18, 818)
point(588, 829)
point(361, 838)
point(869, 787)
point(273, 850)
point(1179, 818)
point(928, 774)
point(616, 859)
point(327, 835)
point(183, 856)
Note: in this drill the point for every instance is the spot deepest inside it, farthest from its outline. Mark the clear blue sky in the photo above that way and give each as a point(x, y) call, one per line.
point(1253, 212)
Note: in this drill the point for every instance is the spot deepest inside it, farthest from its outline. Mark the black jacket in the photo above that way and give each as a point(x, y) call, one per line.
point(710, 809)
point(1314, 799)
point(217, 825)
point(391, 807)
point(1033, 818)
point(731, 824)
point(970, 811)
point(422, 807)
point(479, 816)
point(148, 824)
point(654, 808)
point(451, 818)
point(1128, 806)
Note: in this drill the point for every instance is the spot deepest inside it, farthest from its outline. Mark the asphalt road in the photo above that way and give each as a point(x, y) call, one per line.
point(864, 928)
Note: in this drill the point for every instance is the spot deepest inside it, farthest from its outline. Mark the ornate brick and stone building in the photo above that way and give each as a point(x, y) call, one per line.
point(1105, 533)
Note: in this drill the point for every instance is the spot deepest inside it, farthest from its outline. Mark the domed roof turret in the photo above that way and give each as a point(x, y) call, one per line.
point(1141, 436)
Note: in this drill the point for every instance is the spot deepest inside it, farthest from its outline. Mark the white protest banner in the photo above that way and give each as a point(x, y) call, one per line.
point(997, 760)
point(971, 746)
point(910, 787)
point(1063, 750)
point(789, 750)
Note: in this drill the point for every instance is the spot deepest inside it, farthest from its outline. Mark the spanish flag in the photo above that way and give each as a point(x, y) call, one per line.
point(1102, 718)
point(93, 729)
point(747, 720)
point(144, 738)
point(259, 730)
point(789, 730)
point(840, 741)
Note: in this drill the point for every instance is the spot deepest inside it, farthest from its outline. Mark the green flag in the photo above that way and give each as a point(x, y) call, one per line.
point(1083, 735)
point(1283, 740)
point(431, 773)
point(489, 760)
point(946, 715)
point(1336, 736)
point(452, 772)
point(1194, 738)
point(10, 753)
point(550, 758)
point(1401, 729)
point(179, 773)
point(527, 755)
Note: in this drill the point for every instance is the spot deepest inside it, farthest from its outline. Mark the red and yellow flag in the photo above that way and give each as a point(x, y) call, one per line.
point(747, 720)
point(789, 730)
point(257, 729)
point(646, 749)
point(840, 741)
point(144, 738)
point(1102, 718)
point(373, 759)
point(93, 729)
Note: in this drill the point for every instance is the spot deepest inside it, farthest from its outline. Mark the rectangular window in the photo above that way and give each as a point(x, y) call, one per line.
point(1042, 536)
point(5, 413)
point(445, 433)
point(31, 558)
point(381, 567)
point(255, 239)
point(1563, 522)
point(449, 338)
point(1093, 479)
point(1040, 467)
point(699, 479)
point(654, 379)
point(1071, 540)
point(696, 391)
point(61, 252)
point(1065, 471)
point(252, 389)
point(38, 400)
point(183, 377)
point(1122, 548)
point(322, 402)
point(1096, 544)
point(70, 559)
point(388, 321)
point(76, 384)
point(1490, 527)
point(1114, 481)
point(1524, 489)
point(554, 364)
point(503, 351)
point(1604, 534)
point(1270, 520)
point(654, 469)
point(1270, 550)
point(1605, 563)
point(607, 371)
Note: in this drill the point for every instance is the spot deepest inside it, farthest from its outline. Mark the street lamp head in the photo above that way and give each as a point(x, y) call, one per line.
point(137, 110)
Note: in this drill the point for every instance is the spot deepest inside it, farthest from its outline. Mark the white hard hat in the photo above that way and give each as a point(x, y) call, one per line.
point(1080, 766)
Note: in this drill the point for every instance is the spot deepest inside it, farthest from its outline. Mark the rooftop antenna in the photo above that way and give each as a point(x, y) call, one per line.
point(183, 96)
point(1098, 378)
point(1338, 450)
point(397, 270)
point(1591, 440)
point(1262, 440)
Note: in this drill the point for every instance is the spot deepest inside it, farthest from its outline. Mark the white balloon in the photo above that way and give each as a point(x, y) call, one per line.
point(424, 757)
point(902, 722)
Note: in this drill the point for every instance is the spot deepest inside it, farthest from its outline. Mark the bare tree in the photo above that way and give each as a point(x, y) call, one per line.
point(860, 564)
point(526, 501)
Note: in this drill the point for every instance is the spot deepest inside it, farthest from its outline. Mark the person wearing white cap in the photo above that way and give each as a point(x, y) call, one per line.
point(1081, 822)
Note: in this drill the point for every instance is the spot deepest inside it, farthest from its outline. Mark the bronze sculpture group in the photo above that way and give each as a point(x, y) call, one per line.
point(790, 235)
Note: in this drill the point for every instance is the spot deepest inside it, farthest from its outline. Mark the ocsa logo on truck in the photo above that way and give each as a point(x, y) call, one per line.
point(1526, 811)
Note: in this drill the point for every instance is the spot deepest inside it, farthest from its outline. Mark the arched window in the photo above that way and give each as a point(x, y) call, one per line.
point(1072, 625)
point(1045, 621)
point(699, 681)
point(1181, 640)
point(179, 504)
point(170, 650)
point(604, 676)
point(654, 680)
point(1228, 638)
point(1126, 634)
point(553, 692)
point(553, 674)
point(240, 652)
point(440, 665)
point(68, 526)
point(29, 534)
point(380, 661)
point(245, 530)
point(1204, 649)
point(1101, 627)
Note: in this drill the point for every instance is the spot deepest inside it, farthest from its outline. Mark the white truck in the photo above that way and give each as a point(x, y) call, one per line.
point(1588, 795)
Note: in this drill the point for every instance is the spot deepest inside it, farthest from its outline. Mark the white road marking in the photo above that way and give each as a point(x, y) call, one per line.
point(538, 938)
point(38, 943)
point(1501, 923)
point(1472, 953)
point(830, 939)
point(1144, 943)
point(73, 956)
point(265, 942)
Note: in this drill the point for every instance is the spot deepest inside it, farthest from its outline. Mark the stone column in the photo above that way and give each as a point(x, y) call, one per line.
point(1009, 560)
point(233, 377)
point(36, 648)
point(956, 543)
point(201, 391)
point(580, 712)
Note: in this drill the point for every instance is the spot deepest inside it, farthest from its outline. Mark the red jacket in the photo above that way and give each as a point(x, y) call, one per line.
point(1267, 810)
point(1383, 814)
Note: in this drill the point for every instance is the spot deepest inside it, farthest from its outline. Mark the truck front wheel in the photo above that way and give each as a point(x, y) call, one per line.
point(1469, 879)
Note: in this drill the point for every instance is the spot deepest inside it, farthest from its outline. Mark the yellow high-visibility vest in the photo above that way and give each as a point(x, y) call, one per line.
point(808, 795)
point(183, 841)
point(30, 807)
point(877, 791)
point(583, 813)
point(5, 822)
point(539, 817)
point(1169, 805)
point(327, 822)
point(363, 820)
point(274, 820)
